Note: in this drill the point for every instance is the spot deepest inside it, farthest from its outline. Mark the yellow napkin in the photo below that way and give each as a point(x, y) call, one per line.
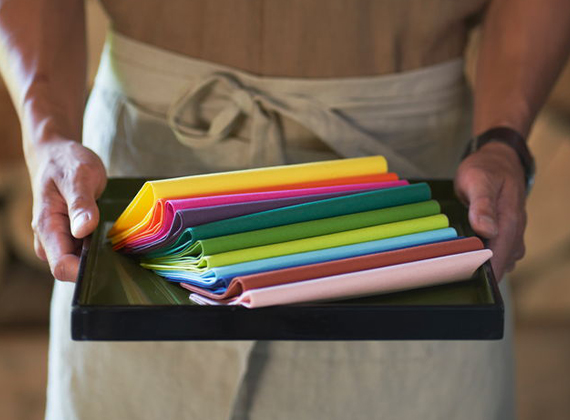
point(138, 213)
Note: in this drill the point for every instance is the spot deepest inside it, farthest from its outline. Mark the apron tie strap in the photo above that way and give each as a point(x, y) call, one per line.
point(264, 109)
point(185, 118)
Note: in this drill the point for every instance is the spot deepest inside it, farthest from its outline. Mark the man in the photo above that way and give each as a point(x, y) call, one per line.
point(298, 80)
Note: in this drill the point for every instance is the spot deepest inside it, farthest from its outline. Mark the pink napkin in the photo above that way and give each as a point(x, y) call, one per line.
point(394, 278)
point(165, 209)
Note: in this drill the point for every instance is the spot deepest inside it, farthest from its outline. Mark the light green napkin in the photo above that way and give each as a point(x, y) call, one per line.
point(203, 261)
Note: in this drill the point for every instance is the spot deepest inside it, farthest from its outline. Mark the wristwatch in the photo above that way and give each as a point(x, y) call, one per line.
point(512, 138)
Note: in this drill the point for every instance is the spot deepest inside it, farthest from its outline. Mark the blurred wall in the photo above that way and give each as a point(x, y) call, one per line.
point(541, 286)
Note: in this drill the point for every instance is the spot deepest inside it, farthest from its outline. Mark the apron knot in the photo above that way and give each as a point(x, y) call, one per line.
point(233, 101)
point(186, 114)
point(217, 107)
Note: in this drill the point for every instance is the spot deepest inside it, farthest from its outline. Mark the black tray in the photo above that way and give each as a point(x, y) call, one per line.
point(115, 299)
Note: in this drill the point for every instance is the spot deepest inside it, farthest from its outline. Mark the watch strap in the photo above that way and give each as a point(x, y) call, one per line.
point(511, 138)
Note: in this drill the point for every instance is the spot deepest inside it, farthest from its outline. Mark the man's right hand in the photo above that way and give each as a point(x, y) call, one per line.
point(67, 178)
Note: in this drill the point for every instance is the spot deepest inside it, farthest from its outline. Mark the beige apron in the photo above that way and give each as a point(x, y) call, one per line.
point(155, 113)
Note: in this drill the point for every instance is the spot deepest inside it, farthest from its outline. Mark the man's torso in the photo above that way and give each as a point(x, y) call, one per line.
point(302, 38)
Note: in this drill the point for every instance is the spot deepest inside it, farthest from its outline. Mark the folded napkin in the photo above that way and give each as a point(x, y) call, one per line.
point(217, 279)
point(162, 210)
point(204, 261)
point(184, 213)
point(138, 213)
point(323, 209)
point(294, 231)
point(392, 278)
point(360, 179)
point(241, 284)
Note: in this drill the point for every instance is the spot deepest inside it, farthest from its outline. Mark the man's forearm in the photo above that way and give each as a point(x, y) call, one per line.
point(524, 46)
point(43, 61)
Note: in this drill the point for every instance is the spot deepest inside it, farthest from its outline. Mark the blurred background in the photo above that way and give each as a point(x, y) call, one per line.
point(541, 282)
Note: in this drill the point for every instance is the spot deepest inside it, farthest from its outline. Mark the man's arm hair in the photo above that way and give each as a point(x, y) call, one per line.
point(43, 62)
point(524, 46)
point(43, 59)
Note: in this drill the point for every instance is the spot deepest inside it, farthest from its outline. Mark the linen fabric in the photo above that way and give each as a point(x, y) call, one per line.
point(244, 283)
point(422, 115)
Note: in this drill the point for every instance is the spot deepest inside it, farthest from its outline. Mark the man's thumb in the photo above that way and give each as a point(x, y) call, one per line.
point(82, 210)
point(481, 196)
point(82, 223)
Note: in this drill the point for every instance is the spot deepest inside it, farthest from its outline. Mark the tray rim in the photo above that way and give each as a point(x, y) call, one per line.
point(82, 315)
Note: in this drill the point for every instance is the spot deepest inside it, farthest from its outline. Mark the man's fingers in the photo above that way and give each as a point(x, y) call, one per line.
point(509, 268)
point(521, 248)
point(500, 249)
point(480, 194)
point(509, 243)
point(40, 252)
point(518, 247)
point(482, 217)
point(80, 192)
point(61, 250)
point(519, 252)
point(490, 182)
point(66, 267)
point(83, 215)
point(53, 238)
point(66, 182)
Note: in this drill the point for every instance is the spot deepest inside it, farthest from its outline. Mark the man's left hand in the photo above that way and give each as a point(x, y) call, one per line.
point(491, 182)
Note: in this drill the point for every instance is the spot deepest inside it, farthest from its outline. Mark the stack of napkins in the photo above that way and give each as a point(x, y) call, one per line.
point(296, 233)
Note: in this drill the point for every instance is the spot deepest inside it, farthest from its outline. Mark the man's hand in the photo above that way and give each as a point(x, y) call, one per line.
point(491, 182)
point(66, 181)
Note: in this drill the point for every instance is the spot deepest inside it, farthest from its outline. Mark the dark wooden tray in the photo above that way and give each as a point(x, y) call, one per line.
point(115, 299)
